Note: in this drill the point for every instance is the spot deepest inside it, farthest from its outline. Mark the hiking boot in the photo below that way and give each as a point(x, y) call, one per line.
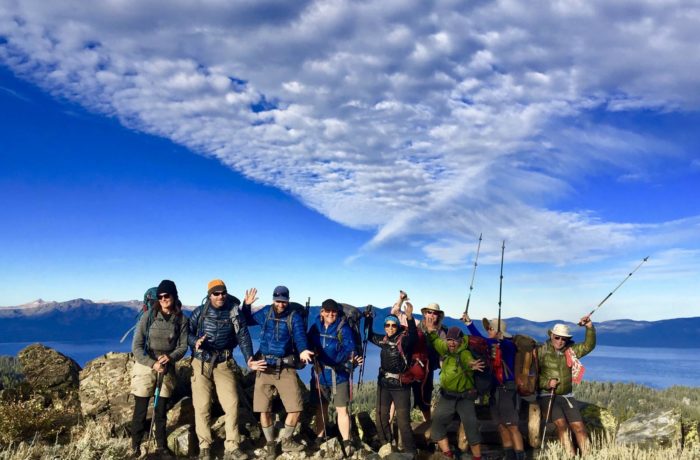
point(348, 448)
point(235, 454)
point(164, 453)
point(317, 443)
point(270, 450)
point(204, 454)
point(290, 445)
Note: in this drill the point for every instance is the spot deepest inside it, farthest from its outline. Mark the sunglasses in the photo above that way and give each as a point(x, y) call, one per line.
point(430, 312)
point(391, 325)
point(556, 337)
point(218, 294)
point(163, 296)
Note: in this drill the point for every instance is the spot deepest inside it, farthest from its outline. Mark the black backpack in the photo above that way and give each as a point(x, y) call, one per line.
point(352, 316)
point(483, 380)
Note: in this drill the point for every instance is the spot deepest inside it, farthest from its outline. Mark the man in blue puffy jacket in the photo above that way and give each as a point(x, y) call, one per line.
point(331, 339)
point(216, 327)
point(282, 346)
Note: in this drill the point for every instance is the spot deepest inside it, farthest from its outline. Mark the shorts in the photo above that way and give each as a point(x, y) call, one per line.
point(143, 381)
point(340, 399)
point(504, 404)
point(287, 384)
point(423, 393)
point(562, 407)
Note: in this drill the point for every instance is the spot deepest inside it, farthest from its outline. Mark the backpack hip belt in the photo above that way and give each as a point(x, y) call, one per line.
point(390, 375)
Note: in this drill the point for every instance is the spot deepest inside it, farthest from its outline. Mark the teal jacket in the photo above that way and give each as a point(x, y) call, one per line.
point(456, 376)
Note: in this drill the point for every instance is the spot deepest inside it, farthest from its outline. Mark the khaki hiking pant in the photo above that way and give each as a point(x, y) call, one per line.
point(221, 377)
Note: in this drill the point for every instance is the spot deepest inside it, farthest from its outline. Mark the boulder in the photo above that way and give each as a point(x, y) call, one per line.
point(183, 441)
point(331, 450)
point(104, 388)
point(181, 413)
point(49, 371)
point(598, 419)
point(655, 430)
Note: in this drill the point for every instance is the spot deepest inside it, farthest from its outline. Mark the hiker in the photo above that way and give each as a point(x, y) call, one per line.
point(504, 401)
point(457, 392)
point(331, 338)
point(423, 391)
point(559, 369)
point(396, 345)
point(216, 328)
point(282, 346)
point(160, 340)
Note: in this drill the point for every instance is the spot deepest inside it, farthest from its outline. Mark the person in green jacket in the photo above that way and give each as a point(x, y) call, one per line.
point(457, 393)
point(560, 368)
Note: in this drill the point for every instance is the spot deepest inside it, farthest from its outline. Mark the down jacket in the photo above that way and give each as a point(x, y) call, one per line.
point(217, 324)
point(276, 340)
point(331, 352)
point(391, 359)
point(553, 363)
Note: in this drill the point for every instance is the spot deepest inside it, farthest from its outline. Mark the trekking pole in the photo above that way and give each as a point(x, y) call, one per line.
point(317, 367)
point(500, 289)
point(156, 395)
point(546, 419)
point(471, 285)
point(618, 287)
point(368, 312)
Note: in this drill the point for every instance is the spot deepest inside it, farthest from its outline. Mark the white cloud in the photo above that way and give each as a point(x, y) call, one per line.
point(423, 121)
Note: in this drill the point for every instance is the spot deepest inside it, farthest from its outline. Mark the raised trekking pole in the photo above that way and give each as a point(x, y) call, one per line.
point(546, 419)
point(156, 395)
point(500, 288)
point(471, 284)
point(618, 287)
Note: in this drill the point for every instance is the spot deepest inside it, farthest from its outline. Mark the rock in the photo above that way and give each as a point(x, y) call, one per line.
point(658, 429)
point(182, 413)
point(104, 389)
point(183, 441)
point(385, 450)
point(331, 450)
point(399, 456)
point(49, 371)
point(598, 419)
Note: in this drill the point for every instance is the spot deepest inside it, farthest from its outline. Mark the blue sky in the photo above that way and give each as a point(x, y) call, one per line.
point(352, 149)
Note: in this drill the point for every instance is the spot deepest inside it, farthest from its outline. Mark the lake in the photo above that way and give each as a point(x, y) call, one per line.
point(654, 367)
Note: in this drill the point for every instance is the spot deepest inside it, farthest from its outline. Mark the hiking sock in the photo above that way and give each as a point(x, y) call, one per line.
point(269, 432)
point(287, 431)
point(159, 419)
point(138, 420)
point(509, 453)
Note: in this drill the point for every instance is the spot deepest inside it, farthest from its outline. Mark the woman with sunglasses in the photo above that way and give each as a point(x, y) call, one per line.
point(159, 341)
point(396, 348)
point(560, 368)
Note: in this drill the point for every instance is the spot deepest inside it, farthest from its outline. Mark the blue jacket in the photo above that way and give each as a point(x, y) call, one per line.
point(331, 352)
point(508, 350)
point(218, 325)
point(276, 340)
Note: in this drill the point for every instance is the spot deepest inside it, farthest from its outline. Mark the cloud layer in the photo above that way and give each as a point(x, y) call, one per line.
point(426, 122)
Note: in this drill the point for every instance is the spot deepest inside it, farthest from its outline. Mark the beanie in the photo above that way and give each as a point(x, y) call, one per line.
point(215, 285)
point(167, 287)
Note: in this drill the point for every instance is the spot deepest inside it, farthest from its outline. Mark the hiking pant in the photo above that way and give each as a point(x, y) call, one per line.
point(444, 412)
point(204, 380)
point(138, 421)
point(401, 397)
point(143, 381)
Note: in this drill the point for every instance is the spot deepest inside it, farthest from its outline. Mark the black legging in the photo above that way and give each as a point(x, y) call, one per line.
point(138, 421)
point(401, 397)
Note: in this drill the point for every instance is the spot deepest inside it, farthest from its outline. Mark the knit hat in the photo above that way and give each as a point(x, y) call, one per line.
point(434, 307)
point(454, 333)
point(215, 286)
point(330, 305)
point(391, 319)
point(562, 330)
point(167, 287)
point(493, 324)
point(280, 294)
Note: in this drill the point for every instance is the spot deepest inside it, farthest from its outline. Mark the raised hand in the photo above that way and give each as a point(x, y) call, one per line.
point(409, 310)
point(477, 365)
point(466, 319)
point(250, 296)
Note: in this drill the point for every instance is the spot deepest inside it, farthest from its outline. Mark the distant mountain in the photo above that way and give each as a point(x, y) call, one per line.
point(82, 319)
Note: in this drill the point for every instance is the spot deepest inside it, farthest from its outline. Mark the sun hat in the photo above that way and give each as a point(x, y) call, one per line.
point(562, 330)
point(434, 307)
point(493, 324)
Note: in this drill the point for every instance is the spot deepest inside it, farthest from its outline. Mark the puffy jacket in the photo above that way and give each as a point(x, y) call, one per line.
point(217, 324)
point(553, 363)
point(391, 359)
point(456, 375)
point(508, 351)
point(276, 340)
point(332, 353)
point(165, 337)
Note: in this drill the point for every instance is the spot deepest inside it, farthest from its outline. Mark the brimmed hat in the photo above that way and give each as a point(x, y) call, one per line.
point(215, 286)
point(434, 307)
point(493, 324)
point(562, 330)
point(454, 333)
point(280, 294)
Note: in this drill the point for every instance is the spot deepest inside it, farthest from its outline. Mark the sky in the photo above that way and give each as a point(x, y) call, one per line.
point(349, 149)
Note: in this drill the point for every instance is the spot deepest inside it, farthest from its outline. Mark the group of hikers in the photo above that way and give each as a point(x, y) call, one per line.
point(411, 350)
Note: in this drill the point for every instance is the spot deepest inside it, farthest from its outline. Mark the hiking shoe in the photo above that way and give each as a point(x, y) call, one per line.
point(348, 448)
point(270, 450)
point(204, 454)
point(235, 454)
point(290, 445)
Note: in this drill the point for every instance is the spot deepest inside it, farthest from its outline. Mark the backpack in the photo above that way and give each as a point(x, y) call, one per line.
point(418, 365)
point(526, 365)
point(149, 299)
point(294, 309)
point(483, 380)
point(351, 316)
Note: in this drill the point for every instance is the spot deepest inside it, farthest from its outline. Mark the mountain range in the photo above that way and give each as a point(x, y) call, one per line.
point(82, 319)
